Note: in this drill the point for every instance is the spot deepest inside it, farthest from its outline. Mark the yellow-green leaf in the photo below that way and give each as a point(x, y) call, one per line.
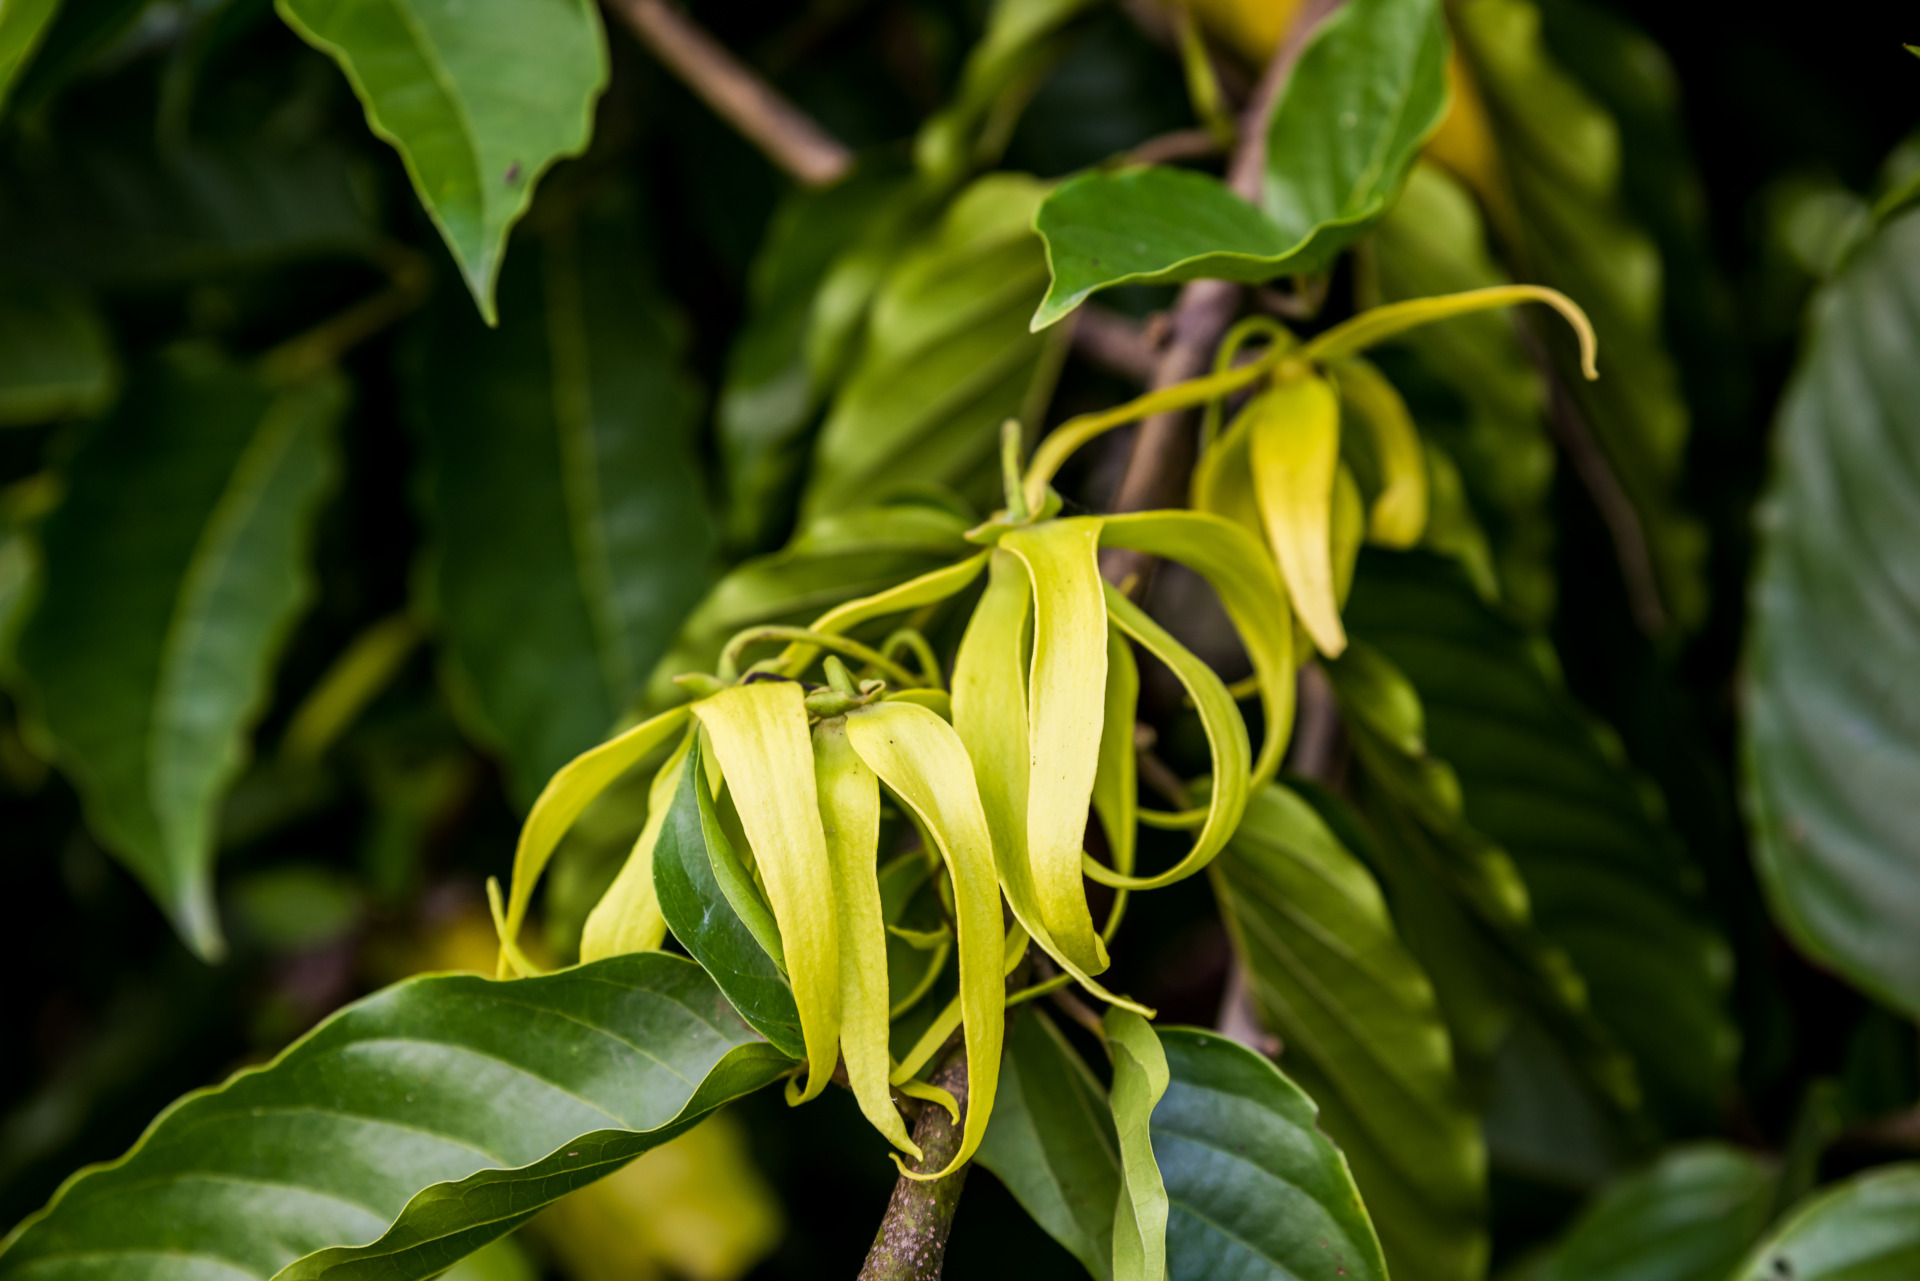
point(1140, 1079)
point(759, 735)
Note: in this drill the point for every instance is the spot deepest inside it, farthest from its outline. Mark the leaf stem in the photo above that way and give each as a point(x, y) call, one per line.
point(787, 136)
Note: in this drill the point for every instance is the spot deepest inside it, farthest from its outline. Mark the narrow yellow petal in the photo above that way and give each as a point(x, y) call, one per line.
point(1116, 796)
point(850, 819)
point(1399, 514)
point(1226, 736)
point(923, 762)
point(1295, 448)
point(1351, 337)
point(1236, 565)
point(928, 589)
point(564, 797)
point(627, 918)
point(759, 736)
point(990, 716)
point(1066, 704)
point(1223, 479)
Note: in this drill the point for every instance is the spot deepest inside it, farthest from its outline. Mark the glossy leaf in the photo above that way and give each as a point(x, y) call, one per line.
point(1053, 1143)
point(946, 359)
point(1866, 1229)
point(1606, 877)
point(172, 573)
point(22, 24)
point(451, 1110)
point(1256, 1190)
point(56, 357)
point(478, 98)
point(1363, 1032)
point(1691, 1216)
point(1140, 1080)
point(571, 534)
point(1833, 773)
point(704, 919)
point(840, 557)
point(1367, 90)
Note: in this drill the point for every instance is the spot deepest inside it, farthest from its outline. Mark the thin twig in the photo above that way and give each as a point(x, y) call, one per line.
point(911, 1244)
point(1123, 347)
point(1178, 144)
point(789, 137)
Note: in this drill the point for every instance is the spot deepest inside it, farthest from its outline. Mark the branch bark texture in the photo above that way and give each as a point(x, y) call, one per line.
point(912, 1242)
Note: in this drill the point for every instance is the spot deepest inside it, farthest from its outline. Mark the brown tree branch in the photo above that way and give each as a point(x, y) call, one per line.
point(1121, 346)
point(911, 1244)
point(787, 136)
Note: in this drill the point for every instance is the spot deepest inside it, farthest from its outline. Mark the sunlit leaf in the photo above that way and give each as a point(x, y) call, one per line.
point(1830, 723)
point(479, 98)
point(173, 571)
point(22, 24)
point(571, 533)
point(1362, 1030)
point(451, 1109)
point(1866, 1229)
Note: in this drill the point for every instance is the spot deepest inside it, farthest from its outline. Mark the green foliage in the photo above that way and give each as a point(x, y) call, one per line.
point(174, 570)
point(479, 102)
point(21, 27)
point(1367, 91)
point(56, 357)
point(445, 1126)
point(1829, 728)
point(570, 528)
point(1862, 1230)
point(1362, 1030)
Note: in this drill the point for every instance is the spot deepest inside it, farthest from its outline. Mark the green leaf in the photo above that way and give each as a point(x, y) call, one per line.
point(172, 573)
point(1140, 1211)
point(839, 557)
point(773, 388)
point(22, 25)
point(1364, 95)
point(115, 212)
point(1433, 242)
point(1689, 1217)
point(1363, 1032)
point(1833, 776)
point(1257, 1191)
point(704, 917)
point(56, 356)
point(1052, 1141)
point(479, 98)
point(1608, 880)
point(1866, 1229)
point(408, 1130)
point(1561, 211)
point(946, 359)
point(569, 523)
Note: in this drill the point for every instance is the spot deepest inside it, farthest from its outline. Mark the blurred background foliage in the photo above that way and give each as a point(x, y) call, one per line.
point(454, 567)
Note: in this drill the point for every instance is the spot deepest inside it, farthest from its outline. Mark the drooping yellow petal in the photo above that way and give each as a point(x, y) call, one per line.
point(1399, 515)
point(1223, 479)
point(627, 918)
point(923, 762)
point(990, 716)
point(1066, 703)
point(759, 736)
point(850, 819)
point(1116, 794)
point(1226, 736)
point(930, 588)
point(1377, 325)
point(1347, 529)
point(1295, 447)
point(949, 1018)
point(1235, 564)
point(561, 801)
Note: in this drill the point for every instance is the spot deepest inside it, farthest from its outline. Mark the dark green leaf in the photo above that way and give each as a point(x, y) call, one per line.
point(1607, 879)
point(22, 25)
point(72, 35)
point(833, 559)
point(569, 518)
point(1691, 1217)
point(173, 571)
point(1559, 152)
point(1866, 1229)
point(773, 386)
point(946, 359)
point(1052, 1141)
point(1831, 720)
point(479, 98)
point(1362, 1030)
point(56, 357)
point(1364, 95)
point(703, 917)
point(1258, 1192)
point(408, 1130)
